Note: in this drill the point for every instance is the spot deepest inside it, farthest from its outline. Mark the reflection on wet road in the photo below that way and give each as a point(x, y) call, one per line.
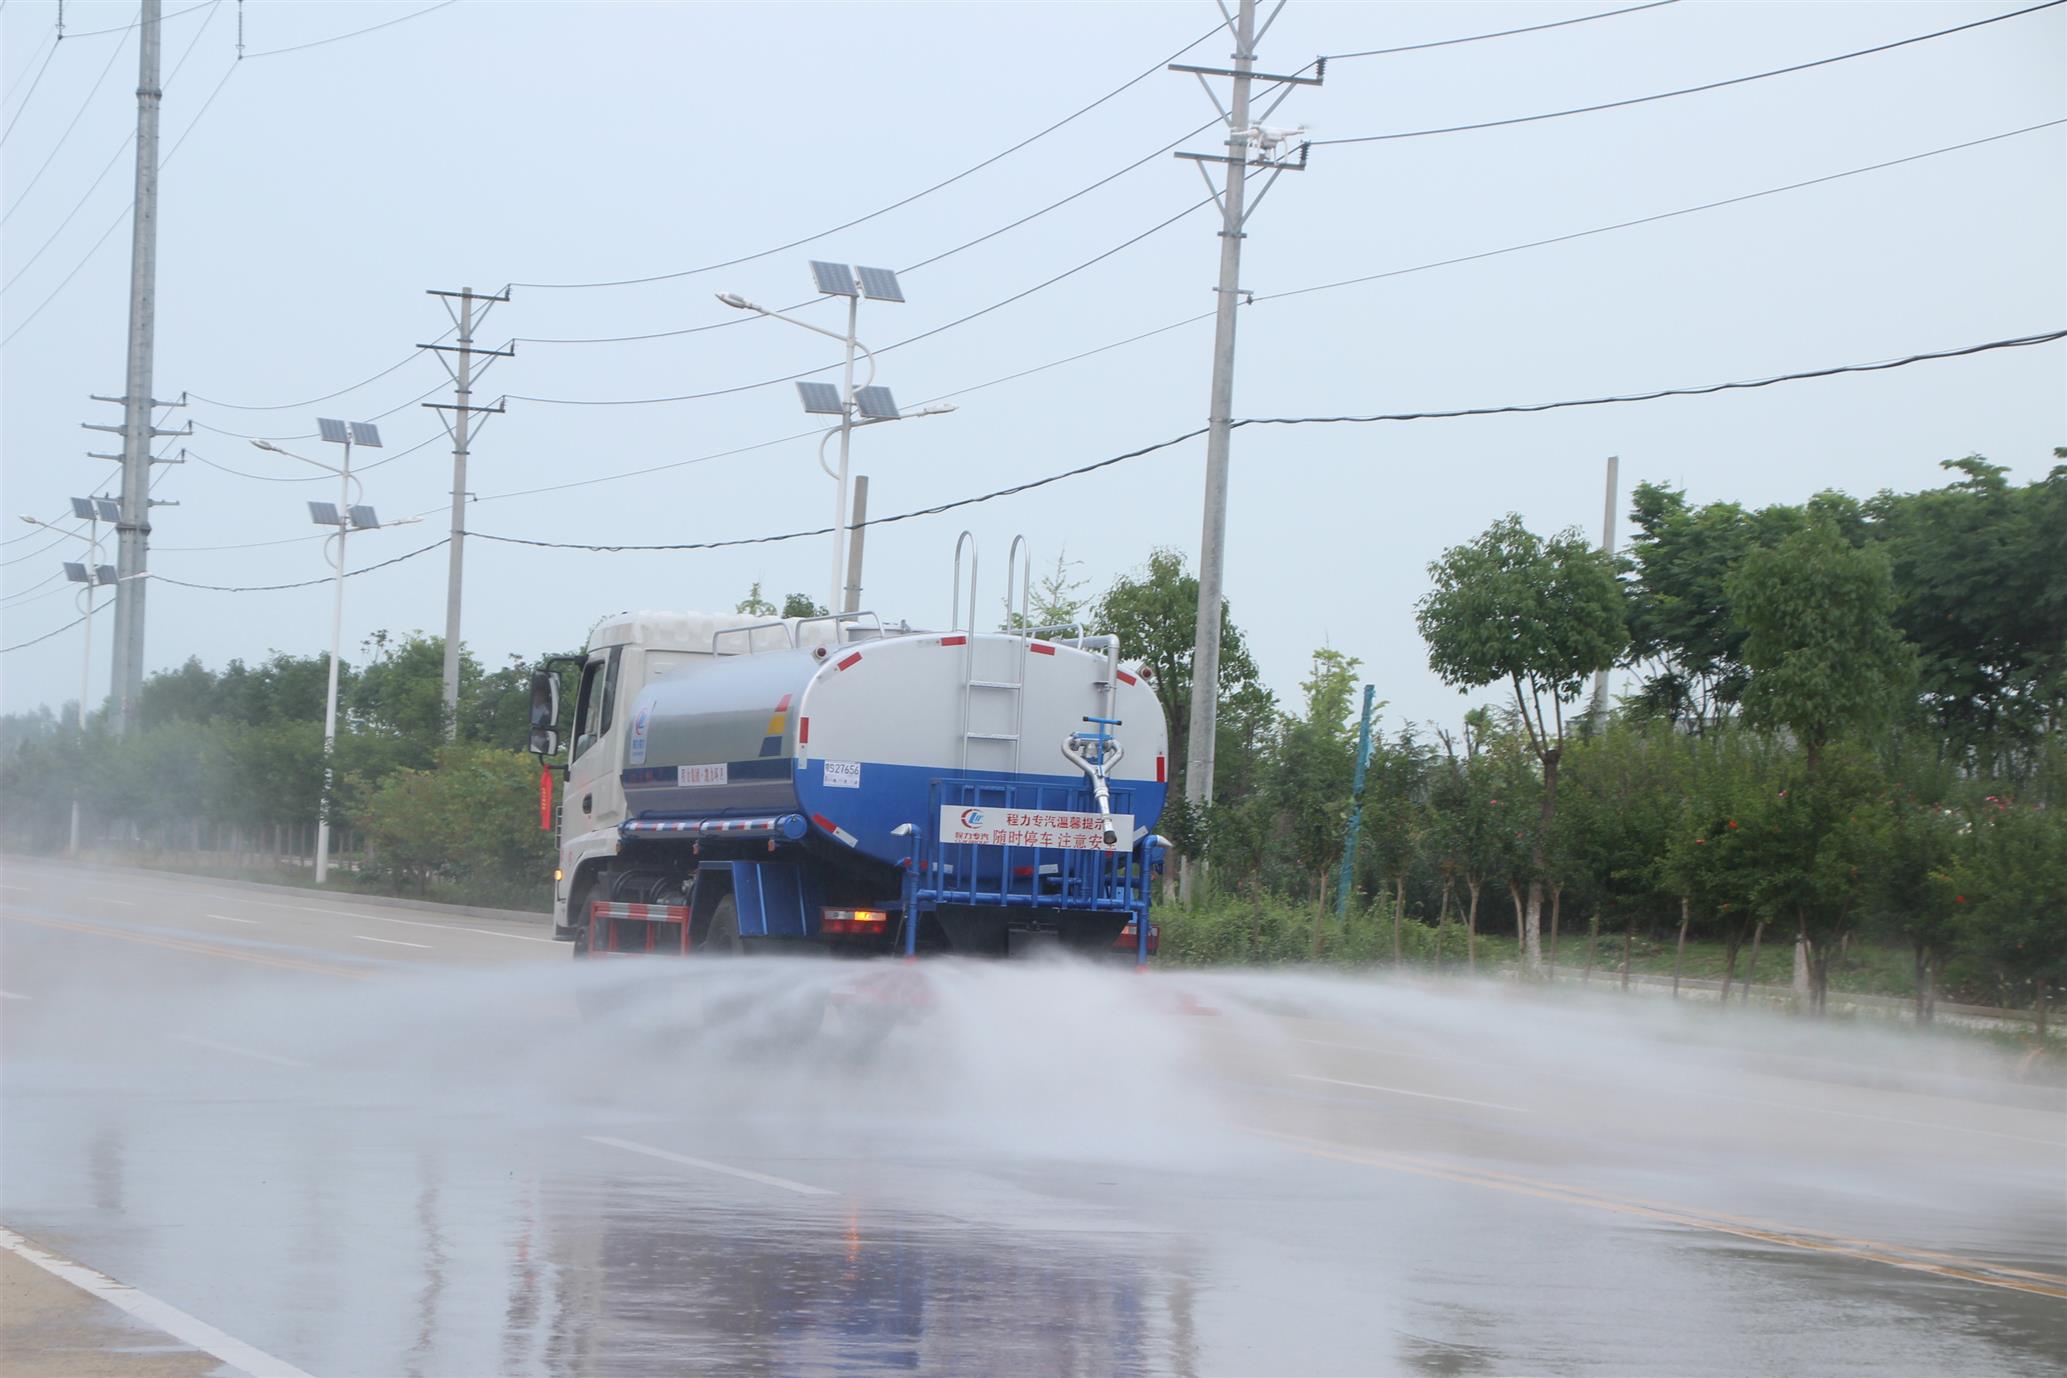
point(468, 1155)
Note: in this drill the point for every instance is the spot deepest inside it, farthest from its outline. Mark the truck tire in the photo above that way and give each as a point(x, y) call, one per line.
point(721, 935)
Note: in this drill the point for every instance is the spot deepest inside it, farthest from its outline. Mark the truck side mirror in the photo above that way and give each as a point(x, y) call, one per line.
point(545, 712)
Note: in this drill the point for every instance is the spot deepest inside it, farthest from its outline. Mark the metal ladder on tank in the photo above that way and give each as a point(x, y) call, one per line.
point(1003, 695)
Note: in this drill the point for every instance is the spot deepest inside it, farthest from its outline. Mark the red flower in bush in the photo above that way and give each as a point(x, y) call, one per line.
point(1733, 825)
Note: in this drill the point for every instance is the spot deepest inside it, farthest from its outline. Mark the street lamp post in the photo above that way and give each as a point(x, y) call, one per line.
point(854, 406)
point(346, 516)
point(93, 575)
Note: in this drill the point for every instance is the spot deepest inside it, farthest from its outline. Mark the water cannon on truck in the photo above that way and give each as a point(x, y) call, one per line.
point(744, 784)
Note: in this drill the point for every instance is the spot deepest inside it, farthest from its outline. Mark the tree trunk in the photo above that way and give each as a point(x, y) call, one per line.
point(1937, 980)
point(1514, 897)
point(1679, 953)
point(1442, 921)
point(1921, 974)
point(1320, 908)
point(1546, 815)
point(1733, 941)
point(1628, 942)
point(1471, 927)
point(1557, 899)
point(2045, 989)
point(1255, 916)
point(1592, 938)
point(1758, 936)
point(1399, 903)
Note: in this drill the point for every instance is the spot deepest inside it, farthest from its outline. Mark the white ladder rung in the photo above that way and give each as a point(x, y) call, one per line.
point(992, 736)
point(995, 684)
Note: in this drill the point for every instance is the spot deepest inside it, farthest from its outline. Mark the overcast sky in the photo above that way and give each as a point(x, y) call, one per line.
point(323, 190)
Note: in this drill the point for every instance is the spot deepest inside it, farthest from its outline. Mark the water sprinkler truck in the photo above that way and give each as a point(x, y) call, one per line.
point(739, 784)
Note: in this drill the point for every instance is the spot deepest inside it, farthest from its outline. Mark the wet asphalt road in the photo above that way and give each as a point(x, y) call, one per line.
point(368, 1140)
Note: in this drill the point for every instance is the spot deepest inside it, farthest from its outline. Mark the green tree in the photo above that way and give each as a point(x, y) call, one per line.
point(755, 604)
point(2011, 895)
point(1541, 616)
point(1316, 763)
point(1820, 638)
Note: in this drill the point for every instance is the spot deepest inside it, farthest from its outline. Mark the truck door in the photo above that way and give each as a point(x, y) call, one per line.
point(595, 796)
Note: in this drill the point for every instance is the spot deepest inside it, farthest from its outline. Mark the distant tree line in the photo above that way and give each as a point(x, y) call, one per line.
point(1844, 726)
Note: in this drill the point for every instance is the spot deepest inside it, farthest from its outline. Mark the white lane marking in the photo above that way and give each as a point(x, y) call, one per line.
point(161, 1315)
point(214, 1046)
point(10, 995)
point(1791, 1106)
point(229, 918)
point(410, 923)
point(18, 889)
point(801, 1188)
point(1418, 1095)
point(110, 899)
point(391, 942)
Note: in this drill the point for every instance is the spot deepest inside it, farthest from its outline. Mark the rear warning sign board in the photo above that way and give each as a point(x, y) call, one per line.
point(1001, 827)
point(701, 775)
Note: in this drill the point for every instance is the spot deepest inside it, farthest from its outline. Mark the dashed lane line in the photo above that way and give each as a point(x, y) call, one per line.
point(265, 959)
point(11, 995)
point(1418, 1095)
point(232, 1048)
point(1939, 1264)
point(406, 923)
point(747, 1174)
point(163, 1316)
point(391, 942)
point(231, 918)
point(1792, 1107)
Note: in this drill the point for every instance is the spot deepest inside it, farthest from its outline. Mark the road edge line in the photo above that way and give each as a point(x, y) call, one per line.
point(159, 1315)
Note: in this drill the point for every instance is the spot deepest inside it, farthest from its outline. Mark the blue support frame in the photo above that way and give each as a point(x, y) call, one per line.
point(1051, 879)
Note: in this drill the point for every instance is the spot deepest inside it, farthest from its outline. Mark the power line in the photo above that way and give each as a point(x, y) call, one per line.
point(34, 54)
point(339, 38)
point(1690, 90)
point(895, 205)
point(304, 583)
point(137, 23)
point(922, 263)
point(311, 435)
point(1300, 291)
point(33, 641)
point(92, 91)
point(113, 225)
point(28, 95)
point(107, 167)
point(1503, 33)
point(408, 358)
point(2018, 342)
point(1662, 215)
point(912, 339)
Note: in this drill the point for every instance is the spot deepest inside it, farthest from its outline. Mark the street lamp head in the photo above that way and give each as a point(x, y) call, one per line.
point(268, 445)
point(736, 302)
point(937, 409)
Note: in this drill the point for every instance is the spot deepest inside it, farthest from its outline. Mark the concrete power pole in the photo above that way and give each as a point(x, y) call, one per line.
point(133, 529)
point(1599, 711)
point(458, 424)
point(1243, 134)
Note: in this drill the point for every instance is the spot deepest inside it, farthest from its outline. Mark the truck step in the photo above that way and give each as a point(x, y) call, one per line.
point(992, 736)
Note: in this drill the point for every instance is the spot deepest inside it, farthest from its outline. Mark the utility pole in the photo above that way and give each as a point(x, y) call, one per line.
point(1243, 134)
point(1599, 708)
point(458, 425)
point(857, 531)
point(133, 529)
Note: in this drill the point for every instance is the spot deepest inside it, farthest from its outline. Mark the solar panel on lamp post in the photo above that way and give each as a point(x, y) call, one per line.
point(846, 402)
point(346, 517)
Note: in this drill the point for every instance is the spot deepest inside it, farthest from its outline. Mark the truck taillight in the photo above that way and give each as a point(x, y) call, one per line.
point(857, 922)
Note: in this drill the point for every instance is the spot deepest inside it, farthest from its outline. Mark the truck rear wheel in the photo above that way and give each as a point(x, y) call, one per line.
point(721, 934)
